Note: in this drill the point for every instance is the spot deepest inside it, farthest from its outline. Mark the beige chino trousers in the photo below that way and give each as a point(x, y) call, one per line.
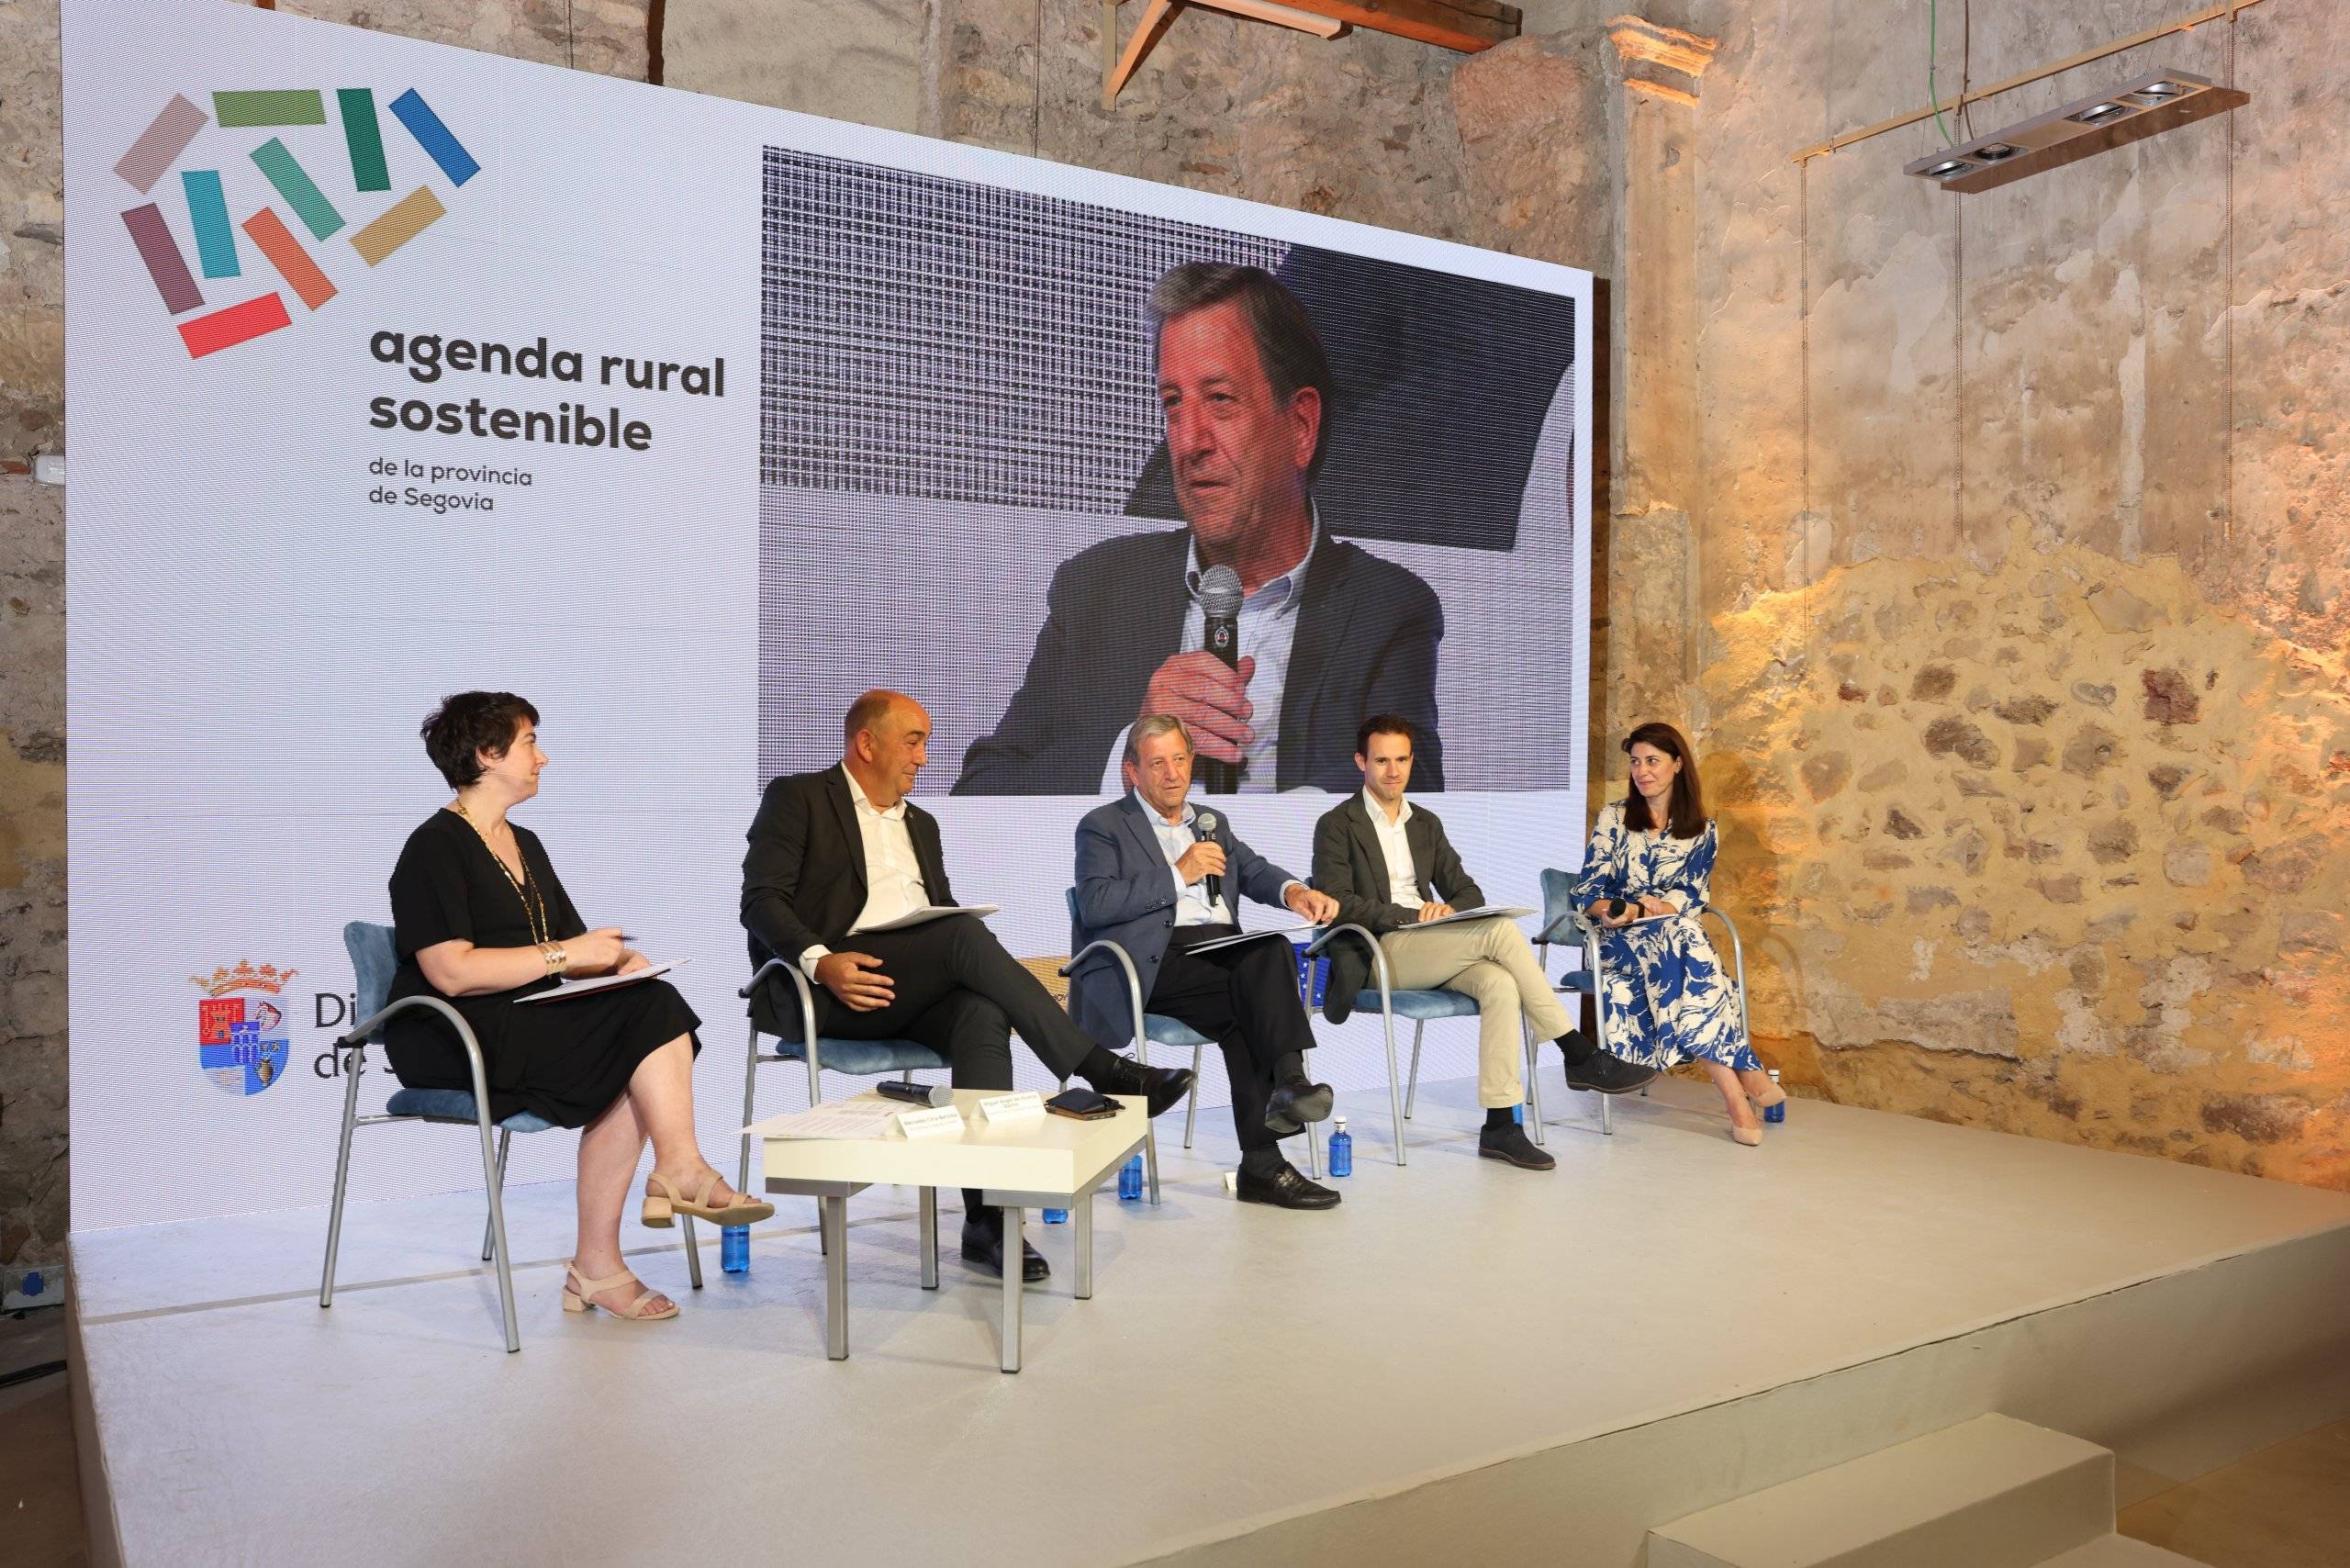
point(1490, 961)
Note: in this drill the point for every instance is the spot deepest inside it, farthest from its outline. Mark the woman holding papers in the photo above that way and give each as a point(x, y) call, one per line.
point(1667, 999)
point(482, 921)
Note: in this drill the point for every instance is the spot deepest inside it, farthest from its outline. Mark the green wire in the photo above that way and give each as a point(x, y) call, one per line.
point(1933, 99)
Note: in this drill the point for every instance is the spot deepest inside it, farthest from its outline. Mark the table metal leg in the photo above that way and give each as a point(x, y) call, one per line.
point(930, 1238)
point(1014, 1244)
point(1085, 1248)
point(835, 1229)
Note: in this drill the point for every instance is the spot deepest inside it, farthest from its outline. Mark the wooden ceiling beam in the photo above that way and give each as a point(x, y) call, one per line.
point(1465, 26)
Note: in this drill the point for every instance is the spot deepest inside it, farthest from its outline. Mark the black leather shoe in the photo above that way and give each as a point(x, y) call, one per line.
point(1511, 1143)
point(1286, 1189)
point(984, 1245)
point(1161, 1087)
point(1296, 1102)
point(1606, 1074)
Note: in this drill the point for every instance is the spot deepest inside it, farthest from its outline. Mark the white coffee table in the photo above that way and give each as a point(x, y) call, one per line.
point(1052, 1162)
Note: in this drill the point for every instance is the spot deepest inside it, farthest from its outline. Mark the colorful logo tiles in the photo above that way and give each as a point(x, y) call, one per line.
point(242, 1036)
point(272, 237)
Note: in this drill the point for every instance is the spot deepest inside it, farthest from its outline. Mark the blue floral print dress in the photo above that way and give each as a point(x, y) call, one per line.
point(1668, 999)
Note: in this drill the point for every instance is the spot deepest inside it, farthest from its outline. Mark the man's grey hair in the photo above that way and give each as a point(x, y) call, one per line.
point(1150, 727)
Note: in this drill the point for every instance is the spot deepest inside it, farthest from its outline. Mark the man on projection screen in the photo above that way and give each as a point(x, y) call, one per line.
point(1327, 632)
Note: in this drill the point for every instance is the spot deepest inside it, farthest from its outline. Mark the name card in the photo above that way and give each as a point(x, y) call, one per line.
point(931, 1121)
point(1024, 1106)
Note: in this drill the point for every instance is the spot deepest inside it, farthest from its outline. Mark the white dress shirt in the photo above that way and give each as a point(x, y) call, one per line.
point(892, 875)
point(1268, 634)
point(1402, 878)
point(1192, 905)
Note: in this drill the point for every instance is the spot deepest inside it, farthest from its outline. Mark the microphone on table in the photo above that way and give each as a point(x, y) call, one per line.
point(1206, 824)
point(1220, 597)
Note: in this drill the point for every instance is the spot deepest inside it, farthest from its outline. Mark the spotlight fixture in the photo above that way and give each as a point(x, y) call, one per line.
point(2131, 112)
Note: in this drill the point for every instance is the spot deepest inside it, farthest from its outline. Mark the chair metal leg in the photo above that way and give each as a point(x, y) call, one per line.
point(489, 1175)
point(1607, 1114)
point(1394, 1089)
point(1412, 1092)
point(504, 1141)
point(1192, 1105)
point(693, 1248)
point(342, 1172)
point(1534, 1083)
point(1150, 1160)
point(750, 1113)
point(1311, 1148)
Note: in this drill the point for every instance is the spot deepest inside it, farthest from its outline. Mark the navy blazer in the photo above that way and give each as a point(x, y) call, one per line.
point(1365, 643)
point(1124, 893)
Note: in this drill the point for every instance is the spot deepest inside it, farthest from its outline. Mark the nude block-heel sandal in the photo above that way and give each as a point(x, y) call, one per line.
point(579, 1290)
point(664, 1203)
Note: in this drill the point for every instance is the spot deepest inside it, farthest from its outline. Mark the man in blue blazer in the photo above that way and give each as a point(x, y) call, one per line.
point(1159, 876)
point(1325, 630)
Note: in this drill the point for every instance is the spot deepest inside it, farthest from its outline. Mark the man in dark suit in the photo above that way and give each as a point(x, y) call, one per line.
point(1390, 867)
point(1159, 877)
point(835, 853)
point(1327, 631)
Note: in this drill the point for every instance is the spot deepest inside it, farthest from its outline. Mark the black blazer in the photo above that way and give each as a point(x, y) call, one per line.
point(1367, 631)
point(1349, 866)
point(803, 876)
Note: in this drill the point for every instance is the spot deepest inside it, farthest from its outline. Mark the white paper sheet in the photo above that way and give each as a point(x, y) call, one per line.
point(924, 915)
point(846, 1119)
point(1483, 912)
point(572, 988)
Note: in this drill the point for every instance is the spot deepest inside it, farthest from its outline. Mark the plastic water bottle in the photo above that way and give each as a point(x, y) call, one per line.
point(1342, 1148)
point(735, 1249)
point(1056, 1216)
point(1778, 1112)
point(1130, 1178)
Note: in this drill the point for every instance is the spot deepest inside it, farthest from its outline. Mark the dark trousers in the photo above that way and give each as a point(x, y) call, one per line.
point(957, 992)
point(1245, 999)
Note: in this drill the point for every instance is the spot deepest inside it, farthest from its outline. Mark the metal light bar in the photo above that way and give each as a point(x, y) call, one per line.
point(2145, 107)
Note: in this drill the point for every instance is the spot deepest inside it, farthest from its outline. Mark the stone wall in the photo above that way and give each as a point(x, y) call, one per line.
point(2024, 685)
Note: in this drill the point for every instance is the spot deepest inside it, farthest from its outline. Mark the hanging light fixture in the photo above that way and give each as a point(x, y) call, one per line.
point(2137, 109)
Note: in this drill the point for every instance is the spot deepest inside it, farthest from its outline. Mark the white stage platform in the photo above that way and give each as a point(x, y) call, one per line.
point(1464, 1363)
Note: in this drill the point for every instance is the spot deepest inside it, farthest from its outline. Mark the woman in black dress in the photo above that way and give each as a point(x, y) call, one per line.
point(481, 921)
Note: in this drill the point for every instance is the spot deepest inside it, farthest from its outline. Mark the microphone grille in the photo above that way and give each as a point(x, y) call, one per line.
point(1206, 820)
point(1220, 594)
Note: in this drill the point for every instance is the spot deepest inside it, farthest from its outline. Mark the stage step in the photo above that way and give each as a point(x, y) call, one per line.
point(1990, 1492)
point(2120, 1552)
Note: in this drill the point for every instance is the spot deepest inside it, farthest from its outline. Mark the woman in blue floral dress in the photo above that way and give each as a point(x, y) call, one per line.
point(1668, 999)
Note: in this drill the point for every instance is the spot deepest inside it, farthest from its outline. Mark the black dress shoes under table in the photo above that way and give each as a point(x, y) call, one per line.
point(1605, 1074)
point(984, 1245)
point(1285, 1188)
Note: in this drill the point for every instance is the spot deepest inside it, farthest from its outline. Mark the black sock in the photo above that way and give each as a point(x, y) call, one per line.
point(978, 1213)
point(1267, 1162)
point(1097, 1063)
point(1289, 1065)
point(1497, 1117)
point(1579, 1049)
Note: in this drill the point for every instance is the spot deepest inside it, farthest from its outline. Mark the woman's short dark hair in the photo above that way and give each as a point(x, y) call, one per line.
point(1688, 806)
point(469, 722)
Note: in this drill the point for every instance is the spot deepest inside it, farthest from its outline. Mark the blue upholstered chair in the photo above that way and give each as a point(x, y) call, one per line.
point(865, 1058)
point(1566, 924)
point(1422, 1007)
point(373, 962)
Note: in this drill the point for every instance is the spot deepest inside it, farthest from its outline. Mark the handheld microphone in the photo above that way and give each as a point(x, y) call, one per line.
point(916, 1093)
point(1205, 823)
point(1220, 597)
